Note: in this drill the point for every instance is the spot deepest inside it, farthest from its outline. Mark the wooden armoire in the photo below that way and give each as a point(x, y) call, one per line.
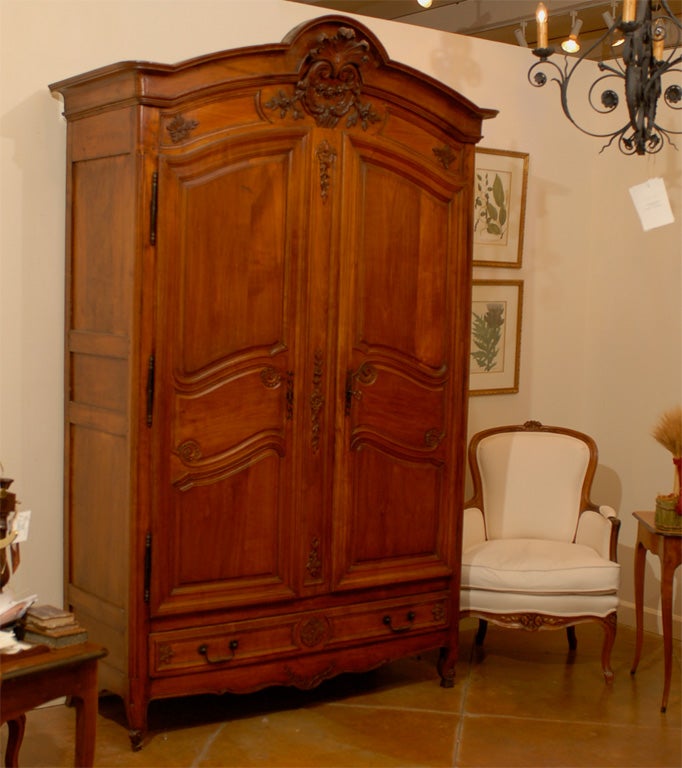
point(267, 334)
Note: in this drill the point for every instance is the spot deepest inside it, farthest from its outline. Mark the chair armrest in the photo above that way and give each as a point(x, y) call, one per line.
point(598, 528)
point(473, 528)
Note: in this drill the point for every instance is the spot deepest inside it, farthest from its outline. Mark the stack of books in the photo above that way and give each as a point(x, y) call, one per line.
point(52, 626)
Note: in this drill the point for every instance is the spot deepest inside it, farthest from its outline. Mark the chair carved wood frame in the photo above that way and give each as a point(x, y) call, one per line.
point(537, 553)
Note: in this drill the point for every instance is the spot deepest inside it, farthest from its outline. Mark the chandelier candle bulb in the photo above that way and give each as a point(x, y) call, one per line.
point(659, 43)
point(541, 16)
point(629, 8)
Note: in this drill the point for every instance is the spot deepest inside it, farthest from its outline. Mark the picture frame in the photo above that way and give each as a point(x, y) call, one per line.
point(495, 354)
point(500, 187)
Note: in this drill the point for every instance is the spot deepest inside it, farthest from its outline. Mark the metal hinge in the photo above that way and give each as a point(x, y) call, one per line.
point(147, 565)
point(150, 390)
point(153, 207)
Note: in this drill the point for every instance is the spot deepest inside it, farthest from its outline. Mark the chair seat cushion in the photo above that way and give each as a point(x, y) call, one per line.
point(538, 567)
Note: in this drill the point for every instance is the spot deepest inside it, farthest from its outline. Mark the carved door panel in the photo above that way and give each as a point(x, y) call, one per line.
point(229, 294)
point(396, 455)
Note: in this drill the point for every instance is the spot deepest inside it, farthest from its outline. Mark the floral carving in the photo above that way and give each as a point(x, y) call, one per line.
point(312, 681)
point(332, 85)
point(314, 564)
point(166, 654)
point(532, 621)
point(445, 155)
point(316, 399)
point(180, 128)
point(366, 374)
point(325, 157)
point(314, 631)
point(188, 451)
point(434, 437)
point(439, 613)
point(270, 377)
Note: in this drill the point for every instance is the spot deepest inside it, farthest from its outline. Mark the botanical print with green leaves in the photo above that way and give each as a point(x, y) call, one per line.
point(486, 334)
point(491, 206)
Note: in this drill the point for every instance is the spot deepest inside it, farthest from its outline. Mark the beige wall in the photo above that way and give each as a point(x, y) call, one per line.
point(602, 325)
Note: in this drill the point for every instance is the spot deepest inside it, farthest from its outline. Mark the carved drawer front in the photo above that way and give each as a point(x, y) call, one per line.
point(381, 620)
point(248, 642)
point(220, 646)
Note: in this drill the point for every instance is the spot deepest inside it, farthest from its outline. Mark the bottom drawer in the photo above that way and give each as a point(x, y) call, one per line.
point(247, 642)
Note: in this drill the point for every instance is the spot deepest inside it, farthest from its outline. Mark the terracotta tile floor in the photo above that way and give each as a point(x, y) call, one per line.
point(520, 704)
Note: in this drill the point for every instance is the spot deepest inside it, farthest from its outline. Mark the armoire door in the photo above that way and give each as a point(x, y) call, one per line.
point(399, 455)
point(227, 347)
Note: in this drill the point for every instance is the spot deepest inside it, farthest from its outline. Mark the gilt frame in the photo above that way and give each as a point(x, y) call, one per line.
point(495, 353)
point(500, 189)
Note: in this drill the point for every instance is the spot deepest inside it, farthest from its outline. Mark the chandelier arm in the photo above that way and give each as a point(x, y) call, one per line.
point(618, 71)
point(609, 98)
point(640, 70)
point(539, 78)
point(670, 14)
point(563, 79)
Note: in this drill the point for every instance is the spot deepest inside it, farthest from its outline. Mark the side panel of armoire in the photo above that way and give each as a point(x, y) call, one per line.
point(103, 382)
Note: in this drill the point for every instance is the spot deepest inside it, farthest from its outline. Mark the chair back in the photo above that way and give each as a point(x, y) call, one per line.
point(532, 481)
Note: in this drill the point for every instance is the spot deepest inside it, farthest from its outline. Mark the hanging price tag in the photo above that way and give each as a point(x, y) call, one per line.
point(20, 522)
point(652, 204)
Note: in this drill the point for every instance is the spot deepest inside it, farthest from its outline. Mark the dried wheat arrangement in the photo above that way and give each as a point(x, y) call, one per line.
point(668, 432)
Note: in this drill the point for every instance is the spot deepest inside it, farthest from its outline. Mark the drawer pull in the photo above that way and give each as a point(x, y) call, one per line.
point(388, 621)
point(203, 650)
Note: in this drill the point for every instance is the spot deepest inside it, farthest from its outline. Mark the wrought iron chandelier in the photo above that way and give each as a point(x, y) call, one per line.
point(648, 28)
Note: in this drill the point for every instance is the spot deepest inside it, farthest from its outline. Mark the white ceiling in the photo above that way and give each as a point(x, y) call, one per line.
point(492, 19)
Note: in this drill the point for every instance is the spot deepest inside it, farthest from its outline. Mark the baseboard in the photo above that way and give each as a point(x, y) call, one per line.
point(652, 619)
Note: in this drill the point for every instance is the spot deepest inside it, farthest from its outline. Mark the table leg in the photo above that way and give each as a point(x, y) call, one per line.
point(667, 573)
point(640, 563)
point(86, 705)
point(15, 737)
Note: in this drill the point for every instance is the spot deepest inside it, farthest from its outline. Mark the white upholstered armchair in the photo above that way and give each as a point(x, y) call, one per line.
point(536, 552)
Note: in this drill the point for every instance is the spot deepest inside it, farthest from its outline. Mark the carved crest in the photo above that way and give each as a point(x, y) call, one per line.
point(332, 85)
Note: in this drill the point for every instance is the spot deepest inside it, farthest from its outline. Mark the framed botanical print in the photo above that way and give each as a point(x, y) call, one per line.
point(500, 183)
point(496, 311)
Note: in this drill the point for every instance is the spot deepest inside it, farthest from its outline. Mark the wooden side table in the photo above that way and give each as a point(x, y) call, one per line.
point(30, 679)
point(668, 547)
